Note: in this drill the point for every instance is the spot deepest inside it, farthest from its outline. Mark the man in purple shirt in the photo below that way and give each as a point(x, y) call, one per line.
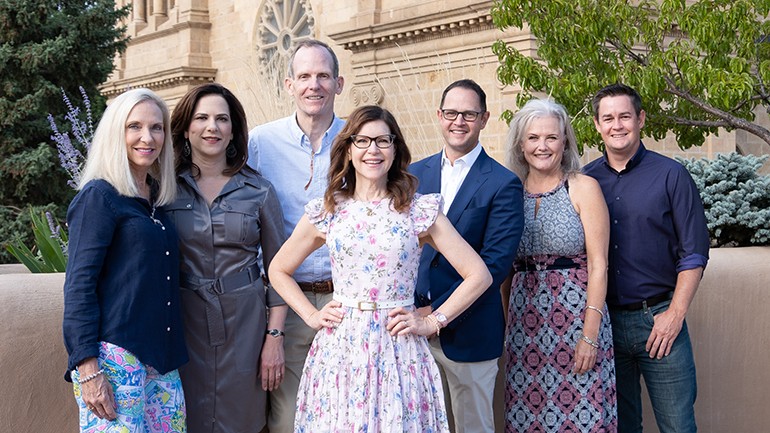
point(658, 250)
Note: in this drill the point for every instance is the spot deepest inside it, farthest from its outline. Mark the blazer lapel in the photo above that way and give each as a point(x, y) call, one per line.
point(473, 181)
point(432, 181)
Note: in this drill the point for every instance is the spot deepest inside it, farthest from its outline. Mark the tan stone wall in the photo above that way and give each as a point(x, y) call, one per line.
point(728, 322)
point(400, 54)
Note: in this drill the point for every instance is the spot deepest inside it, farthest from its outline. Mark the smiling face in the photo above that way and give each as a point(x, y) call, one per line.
point(144, 138)
point(372, 163)
point(211, 128)
point(313, 85)
point(461, 136)
point(619, 126)
point(543, 145)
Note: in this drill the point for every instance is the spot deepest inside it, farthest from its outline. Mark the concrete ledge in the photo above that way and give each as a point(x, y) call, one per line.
point(32, 357)
point(729, 325)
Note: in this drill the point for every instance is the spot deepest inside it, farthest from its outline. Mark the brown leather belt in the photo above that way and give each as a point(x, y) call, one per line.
point(318, 287)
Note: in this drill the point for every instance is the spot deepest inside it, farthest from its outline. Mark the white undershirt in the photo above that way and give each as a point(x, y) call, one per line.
point(452, 176)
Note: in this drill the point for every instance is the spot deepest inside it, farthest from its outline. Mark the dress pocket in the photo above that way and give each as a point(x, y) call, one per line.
point(241, 222)
point(182, 216)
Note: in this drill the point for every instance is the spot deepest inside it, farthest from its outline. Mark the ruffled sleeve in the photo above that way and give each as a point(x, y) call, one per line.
point(425, 210)
point(317, 215)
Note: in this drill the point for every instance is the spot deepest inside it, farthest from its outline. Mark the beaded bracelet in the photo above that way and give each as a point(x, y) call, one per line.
point(593, 344)
point(434, 320)
point(591, 307)
point(90, 377)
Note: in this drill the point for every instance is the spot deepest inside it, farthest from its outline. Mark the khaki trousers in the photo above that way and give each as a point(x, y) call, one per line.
point(296, 344)
point(469, 389)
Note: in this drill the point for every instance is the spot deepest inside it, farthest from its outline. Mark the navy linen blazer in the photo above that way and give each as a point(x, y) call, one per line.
point(488, 213)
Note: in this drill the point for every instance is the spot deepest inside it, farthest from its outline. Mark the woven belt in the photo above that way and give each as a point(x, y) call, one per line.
point(371, 306)
point(319, 287)
point(647, 303)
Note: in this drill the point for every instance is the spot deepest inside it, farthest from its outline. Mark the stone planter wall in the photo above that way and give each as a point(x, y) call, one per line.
point(729, 324)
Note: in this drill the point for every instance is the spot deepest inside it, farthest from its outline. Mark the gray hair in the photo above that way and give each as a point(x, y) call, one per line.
point(536, 109)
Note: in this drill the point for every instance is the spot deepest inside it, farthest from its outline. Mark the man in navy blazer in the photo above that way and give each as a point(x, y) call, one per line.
point(484, 201)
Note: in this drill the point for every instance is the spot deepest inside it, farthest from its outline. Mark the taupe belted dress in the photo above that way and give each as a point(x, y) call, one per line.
point(224, 299)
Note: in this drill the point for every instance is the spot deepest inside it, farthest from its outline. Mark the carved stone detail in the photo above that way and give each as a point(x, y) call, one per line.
point(367, 94)
point(363, 40)
point(282, 24)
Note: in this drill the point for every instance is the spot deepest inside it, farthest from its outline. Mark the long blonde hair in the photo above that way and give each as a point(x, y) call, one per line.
point(108, 158)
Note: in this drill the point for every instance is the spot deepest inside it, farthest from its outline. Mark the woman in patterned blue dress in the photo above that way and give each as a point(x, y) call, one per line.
point(560, 375)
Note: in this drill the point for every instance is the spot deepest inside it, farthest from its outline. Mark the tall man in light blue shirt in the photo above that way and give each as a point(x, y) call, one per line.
point(293, 154)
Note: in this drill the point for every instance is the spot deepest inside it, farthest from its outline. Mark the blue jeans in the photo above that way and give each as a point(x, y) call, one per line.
point(670, 381)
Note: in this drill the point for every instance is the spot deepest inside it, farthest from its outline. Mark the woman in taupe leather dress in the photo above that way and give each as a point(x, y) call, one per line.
point(224, 213)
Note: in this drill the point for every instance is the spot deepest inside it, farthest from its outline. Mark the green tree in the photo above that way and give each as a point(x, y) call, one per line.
point(46, 47)
point(698, 65)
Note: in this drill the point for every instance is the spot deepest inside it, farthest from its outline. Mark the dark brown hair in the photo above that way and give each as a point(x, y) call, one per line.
point(183, 116)
point(342, 175)
point(617, 89)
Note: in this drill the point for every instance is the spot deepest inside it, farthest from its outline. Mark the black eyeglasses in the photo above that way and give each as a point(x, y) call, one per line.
point(363, 142)
point(468, 116)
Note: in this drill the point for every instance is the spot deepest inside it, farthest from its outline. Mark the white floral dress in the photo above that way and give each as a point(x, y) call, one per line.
point(357, 377)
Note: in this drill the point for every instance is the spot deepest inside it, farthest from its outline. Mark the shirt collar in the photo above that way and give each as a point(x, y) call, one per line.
point(299, 137)
point(633, 162)
point(468, 159)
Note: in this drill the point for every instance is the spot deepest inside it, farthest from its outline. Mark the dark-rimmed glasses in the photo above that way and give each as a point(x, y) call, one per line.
point(468, 116)
point(363, 141)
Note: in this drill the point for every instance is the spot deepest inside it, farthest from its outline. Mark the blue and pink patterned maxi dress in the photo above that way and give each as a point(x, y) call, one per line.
point(545, 320)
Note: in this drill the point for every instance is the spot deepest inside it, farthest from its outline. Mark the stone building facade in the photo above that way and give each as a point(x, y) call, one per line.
point(395, 53)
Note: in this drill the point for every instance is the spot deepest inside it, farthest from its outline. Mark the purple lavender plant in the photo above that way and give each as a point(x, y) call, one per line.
point(57, 233)
point(70, 157)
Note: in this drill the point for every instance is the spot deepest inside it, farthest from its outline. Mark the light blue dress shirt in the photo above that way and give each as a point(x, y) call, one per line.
point(282, 153)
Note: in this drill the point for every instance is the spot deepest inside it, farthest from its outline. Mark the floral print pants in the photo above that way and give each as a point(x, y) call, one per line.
point(146, 401)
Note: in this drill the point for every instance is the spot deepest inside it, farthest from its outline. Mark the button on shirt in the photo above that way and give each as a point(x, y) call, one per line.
point(122, 280)
point(452, 176)
point(657, 225)
point(282, 153)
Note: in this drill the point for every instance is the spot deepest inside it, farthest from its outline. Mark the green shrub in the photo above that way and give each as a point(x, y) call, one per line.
point(736, 198)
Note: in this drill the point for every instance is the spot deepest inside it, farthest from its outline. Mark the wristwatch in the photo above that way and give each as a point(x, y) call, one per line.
point(442, 320)
point(275, 333)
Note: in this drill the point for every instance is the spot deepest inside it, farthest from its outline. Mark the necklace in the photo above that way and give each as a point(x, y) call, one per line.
point(155, 220)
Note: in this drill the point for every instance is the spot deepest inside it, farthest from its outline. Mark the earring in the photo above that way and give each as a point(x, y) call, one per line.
point(230, 151)
point(187, 151)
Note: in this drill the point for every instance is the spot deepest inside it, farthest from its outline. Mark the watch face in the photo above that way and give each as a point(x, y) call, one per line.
point(274, 333)
point(441, 318)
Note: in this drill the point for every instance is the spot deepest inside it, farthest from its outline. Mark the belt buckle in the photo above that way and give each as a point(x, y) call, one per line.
point(367, 306)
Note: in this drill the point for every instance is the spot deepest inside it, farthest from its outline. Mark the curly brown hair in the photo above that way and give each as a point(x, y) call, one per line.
point(342, 176)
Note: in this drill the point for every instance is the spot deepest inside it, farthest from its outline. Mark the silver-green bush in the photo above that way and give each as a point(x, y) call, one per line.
point(736, 198)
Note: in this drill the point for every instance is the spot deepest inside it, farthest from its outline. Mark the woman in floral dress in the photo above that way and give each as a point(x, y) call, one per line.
point(370, 367)
point(560, 375)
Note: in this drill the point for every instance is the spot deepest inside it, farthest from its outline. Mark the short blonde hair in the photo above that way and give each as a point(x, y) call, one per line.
point(108, 158)
point(536, 109)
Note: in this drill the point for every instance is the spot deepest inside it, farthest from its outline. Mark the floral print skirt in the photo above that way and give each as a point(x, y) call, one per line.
point(359, 378)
